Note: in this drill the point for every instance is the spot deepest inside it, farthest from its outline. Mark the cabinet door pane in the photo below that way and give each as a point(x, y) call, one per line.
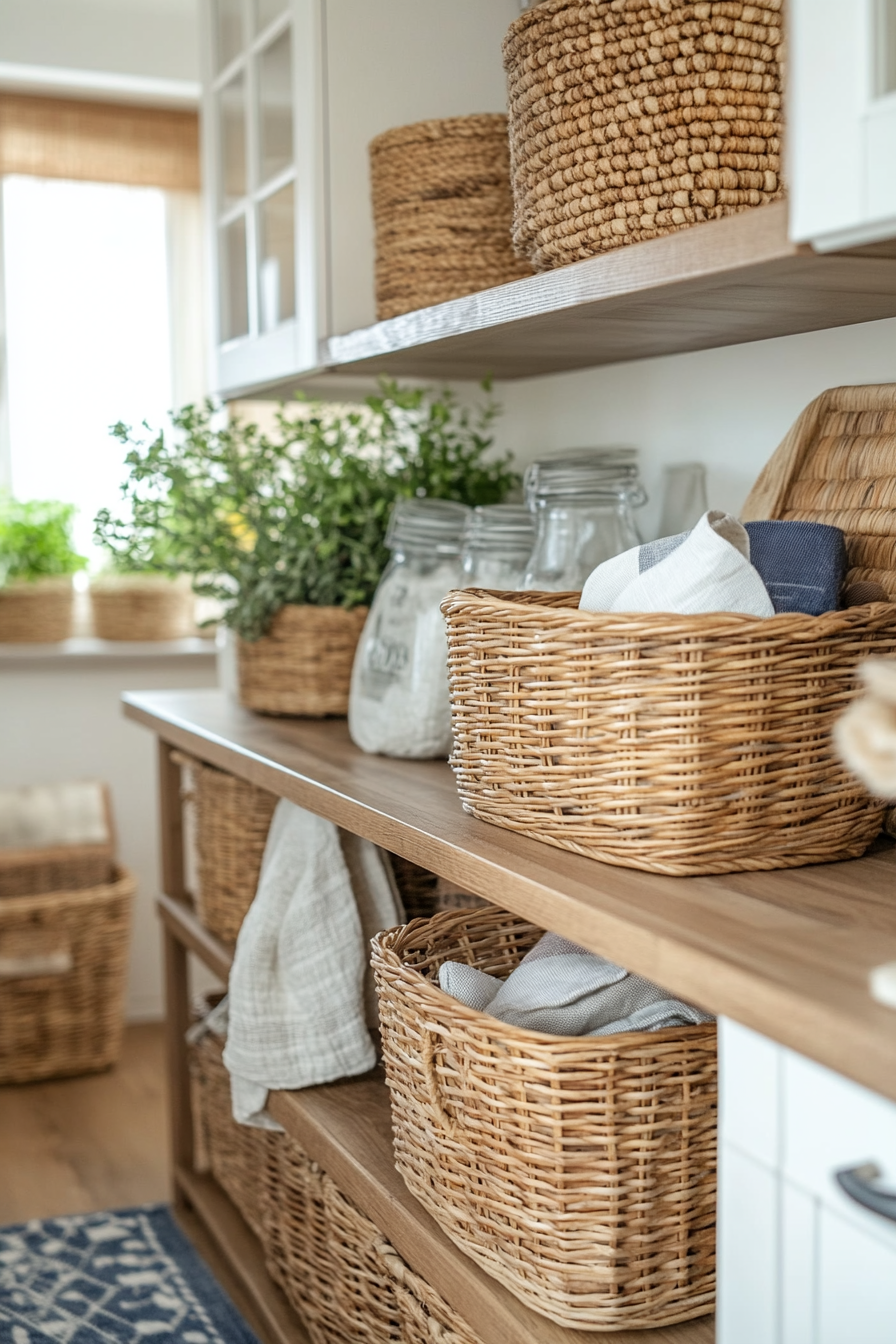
point(230, 37)
point(234, 288)
point(276, 274)
point(266, 11)
point(275, 107)
point(232, 121)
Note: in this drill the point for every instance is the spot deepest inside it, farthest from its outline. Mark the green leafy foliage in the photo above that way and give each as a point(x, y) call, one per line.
point(36, 539)
point(299, 516)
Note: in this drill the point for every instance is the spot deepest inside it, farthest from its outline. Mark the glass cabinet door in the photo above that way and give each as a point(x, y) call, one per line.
point(251, 103)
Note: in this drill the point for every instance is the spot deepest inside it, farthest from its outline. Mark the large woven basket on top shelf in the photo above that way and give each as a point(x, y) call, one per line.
point(142, 607)
point(689, 744)
point(580, 1171)
point(232, 818)
point(38, 612)
point(442, 211)
point(303, 665)
point(634, 118)
point(63, 967)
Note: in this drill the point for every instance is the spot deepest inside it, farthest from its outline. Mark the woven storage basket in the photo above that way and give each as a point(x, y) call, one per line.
point(580, 1171)
point(442, 211)
point(689, 744)
point(424, 1317)
point(142, 607)
point(328, 1262)
point(303, 665)
point(52, 859)
point(63, 966)
point(38, 612)
point(423, 893)
point(630, 119)
point(232, 820)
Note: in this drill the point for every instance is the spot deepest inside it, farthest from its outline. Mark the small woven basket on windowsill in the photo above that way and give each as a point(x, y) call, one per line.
point(38, 611)
point(142, 607)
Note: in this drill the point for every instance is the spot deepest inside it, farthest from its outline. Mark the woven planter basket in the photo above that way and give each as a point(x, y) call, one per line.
point(630, 119)
point(142, 608)
point(232, 820)
point(424, 1317)
point(442, 212)
point(303, 666)
point(38, 612)
point(579, 1171)
point(63, 967)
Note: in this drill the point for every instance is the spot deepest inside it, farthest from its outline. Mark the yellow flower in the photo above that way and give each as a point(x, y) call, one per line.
point(245, 535)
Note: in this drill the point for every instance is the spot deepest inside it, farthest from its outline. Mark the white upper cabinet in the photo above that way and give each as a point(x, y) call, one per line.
point(841, 121)
point(294, 91)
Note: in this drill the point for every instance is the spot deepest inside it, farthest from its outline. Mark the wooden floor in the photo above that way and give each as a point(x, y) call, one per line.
point(83, 1144)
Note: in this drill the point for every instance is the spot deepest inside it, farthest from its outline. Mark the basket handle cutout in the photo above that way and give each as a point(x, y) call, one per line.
point(431, 1043)
point(36, 966)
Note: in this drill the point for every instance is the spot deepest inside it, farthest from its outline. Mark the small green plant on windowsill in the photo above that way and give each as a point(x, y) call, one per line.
point(36, 541)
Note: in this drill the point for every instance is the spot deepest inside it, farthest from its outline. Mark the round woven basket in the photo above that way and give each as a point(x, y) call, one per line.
point(593, 1156)
point(630, 119)
point(303, 665)
point(676, 744)
point(142, 607)
point(442, 212)
point(39, 611)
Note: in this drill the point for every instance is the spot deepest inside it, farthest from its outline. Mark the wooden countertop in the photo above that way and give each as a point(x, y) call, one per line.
point(786, 953)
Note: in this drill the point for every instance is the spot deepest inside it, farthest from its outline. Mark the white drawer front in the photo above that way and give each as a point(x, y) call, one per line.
point(748, 1251)
point(749, 1091)
point(856, 1284)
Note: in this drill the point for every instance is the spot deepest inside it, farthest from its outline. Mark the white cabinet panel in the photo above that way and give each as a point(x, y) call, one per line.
point(798, 1266)
point(856, 1285)
point(749, 1101)
point(748, 1248)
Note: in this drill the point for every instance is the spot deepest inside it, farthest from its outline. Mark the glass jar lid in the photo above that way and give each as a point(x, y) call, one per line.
point(434, 525)
point(500, 528)
point(584, 472)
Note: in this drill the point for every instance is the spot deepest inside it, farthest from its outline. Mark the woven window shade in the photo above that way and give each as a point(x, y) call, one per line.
point(99, 142)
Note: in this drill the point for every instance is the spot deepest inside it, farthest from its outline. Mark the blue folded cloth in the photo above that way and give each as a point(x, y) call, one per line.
point(801, 564)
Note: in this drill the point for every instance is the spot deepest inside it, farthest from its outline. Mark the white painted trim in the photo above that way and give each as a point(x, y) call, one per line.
point(100, 84)
point(869, 231)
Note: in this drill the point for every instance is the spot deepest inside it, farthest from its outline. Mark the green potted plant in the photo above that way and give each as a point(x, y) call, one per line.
point(287, 529)
point(37, 561)
point(139, 595)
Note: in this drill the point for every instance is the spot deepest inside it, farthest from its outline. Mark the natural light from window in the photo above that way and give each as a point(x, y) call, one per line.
point(88, 334)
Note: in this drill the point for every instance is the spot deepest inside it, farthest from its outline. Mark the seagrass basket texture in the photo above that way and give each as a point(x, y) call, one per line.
point(442, 212)
point(630, 119)
point(689, 744)
point(424, 1316)
point(142, 608)
point(38, 612)
point(232, 820)
point(303, 666)
point(63, 967)
point(579, 1171)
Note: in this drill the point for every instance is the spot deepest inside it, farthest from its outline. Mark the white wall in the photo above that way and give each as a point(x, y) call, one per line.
point(728, 408)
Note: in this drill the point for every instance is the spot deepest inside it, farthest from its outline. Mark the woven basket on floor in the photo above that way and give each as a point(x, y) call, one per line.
point(688, 744)
point(232, 820)
point(59, 862)
point(442, 212)
point(303, 665)
point(579, 1171)
point(63, 968)
point(424, 1317)
point(38, 612)
point(630, 119)
point(142, 607)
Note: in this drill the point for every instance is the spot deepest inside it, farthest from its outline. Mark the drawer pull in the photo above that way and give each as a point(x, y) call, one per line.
point(860, 1184)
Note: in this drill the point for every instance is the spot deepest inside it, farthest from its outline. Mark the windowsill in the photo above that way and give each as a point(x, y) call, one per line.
point(84, 651)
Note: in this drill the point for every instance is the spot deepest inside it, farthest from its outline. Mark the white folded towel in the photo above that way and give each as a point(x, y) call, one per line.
point(562, 989)
point(296, 1014)
point(706, 569)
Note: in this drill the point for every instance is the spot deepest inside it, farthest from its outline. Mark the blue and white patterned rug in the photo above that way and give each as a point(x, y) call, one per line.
point(126, 1277)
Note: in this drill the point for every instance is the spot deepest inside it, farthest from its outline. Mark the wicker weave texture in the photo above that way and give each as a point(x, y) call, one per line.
point(232, 820)
point(303, 665)
point(424, 1316)
point(41, 612)
point(59, 868)
point(442, 212)
point(579, 1171)
point(630, 119)
point(143, 609)
point(63, 967)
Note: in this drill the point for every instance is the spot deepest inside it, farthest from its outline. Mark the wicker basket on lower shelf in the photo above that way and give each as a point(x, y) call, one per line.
point(579, 1171)
point(41, 611)
point(303, 666)
point(424, 1317)
point(232, 819)
point(63, 966)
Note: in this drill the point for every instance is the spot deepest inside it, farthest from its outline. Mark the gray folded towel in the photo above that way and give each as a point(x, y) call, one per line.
point(564, 990)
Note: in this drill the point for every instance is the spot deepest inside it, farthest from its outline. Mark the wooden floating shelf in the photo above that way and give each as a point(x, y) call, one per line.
point(347, 1128)
point(787, 953)
point(720, 283)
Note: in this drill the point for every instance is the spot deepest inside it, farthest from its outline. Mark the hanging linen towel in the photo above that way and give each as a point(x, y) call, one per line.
point(565, 990)
point(801, 564)
point(296, 1003)
point(706, 569)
